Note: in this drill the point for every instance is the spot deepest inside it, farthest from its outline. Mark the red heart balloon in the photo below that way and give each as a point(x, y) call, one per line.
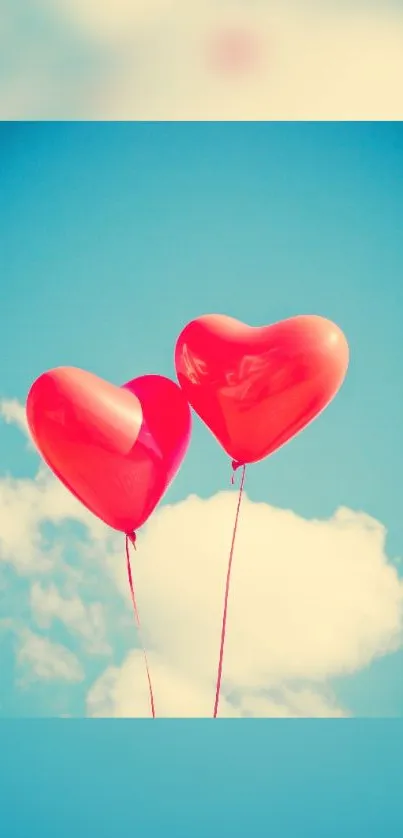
point(256, 387)
point(116, 449)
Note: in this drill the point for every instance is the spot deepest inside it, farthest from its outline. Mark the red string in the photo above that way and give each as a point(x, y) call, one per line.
point(227, 586)
point(132, 538)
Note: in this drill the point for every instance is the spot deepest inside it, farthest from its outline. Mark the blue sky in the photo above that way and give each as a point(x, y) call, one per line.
point(333, 779)
point(113, 236)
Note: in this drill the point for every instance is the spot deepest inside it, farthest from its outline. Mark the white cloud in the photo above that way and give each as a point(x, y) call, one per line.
point(310, 600)
point(26, 505)
point(13, 413)
point(48, 661)
point(86, 621)
point(123, 693)
point(293, 703)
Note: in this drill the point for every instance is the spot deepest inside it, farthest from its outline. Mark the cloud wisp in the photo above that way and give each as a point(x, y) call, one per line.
point(41, 659)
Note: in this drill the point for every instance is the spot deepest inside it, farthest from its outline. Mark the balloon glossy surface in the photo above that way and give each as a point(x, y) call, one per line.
point(116, 449)
point(257, 387)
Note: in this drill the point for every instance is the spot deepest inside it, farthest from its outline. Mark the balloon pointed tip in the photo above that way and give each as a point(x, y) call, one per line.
point(132, 538)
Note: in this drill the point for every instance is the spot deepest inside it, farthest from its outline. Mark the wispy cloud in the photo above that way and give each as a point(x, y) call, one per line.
point(29, 504)
point(85, 621)
point(41, 659)
point(26, 506)
point(12, 412)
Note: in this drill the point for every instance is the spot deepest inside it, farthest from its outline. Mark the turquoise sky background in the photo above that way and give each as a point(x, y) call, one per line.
point(203, 778)
point(113, 236)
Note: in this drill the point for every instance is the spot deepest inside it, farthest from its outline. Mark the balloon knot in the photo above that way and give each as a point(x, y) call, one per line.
point(235, 465)
point(132, 538)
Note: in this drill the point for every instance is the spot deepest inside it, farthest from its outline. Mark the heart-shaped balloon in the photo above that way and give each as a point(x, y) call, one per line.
point(256, 387)
point(116, 449)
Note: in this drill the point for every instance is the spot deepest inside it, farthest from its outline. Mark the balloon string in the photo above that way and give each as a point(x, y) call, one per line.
point(137, 616)
point(227, 587)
